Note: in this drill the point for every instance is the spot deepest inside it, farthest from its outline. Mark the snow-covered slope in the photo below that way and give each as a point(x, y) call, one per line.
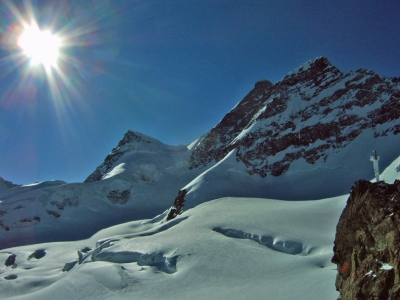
point(230, 248)
point(139, 184)
point(17, 190)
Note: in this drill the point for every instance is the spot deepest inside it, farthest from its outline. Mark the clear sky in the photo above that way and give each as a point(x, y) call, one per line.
point(170, 69)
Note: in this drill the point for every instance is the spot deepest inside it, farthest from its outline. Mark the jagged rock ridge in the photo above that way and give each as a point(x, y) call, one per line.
point(313, 111)
point(367, 243)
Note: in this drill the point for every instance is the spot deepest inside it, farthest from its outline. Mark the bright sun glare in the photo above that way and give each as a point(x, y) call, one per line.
point(42, 40)
point(41, 47)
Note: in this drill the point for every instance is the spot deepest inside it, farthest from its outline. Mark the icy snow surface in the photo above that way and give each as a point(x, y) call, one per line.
point(230, 248)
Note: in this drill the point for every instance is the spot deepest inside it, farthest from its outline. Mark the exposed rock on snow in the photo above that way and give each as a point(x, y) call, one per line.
point(10, 261)
point(53, 213)
point(120, 197)
point(178, 206)
point(367, 243)
point(65, 202)
point(38, 254)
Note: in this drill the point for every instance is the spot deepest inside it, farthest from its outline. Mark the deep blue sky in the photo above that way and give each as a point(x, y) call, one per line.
point(170, 69)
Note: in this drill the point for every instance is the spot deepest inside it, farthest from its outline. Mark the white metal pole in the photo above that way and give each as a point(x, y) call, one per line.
point(375, 160)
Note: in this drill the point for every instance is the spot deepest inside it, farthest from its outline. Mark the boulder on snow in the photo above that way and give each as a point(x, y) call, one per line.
point(178, 206)
point(10, 261)
point(367, 242)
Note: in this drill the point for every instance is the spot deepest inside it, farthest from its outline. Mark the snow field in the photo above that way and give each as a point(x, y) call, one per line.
point(193, 256)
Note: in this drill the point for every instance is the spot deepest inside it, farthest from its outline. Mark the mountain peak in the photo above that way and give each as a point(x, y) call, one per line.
point(307, 121)
point(136, 137)
point(132, 141)
point(320, 63)
point(314, 70)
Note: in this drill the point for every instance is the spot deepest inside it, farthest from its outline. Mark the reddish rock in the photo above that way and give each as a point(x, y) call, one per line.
point(367, 243)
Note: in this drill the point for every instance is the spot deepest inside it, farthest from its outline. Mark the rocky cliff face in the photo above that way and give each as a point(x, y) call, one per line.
point(367, 243)
point(314, 111)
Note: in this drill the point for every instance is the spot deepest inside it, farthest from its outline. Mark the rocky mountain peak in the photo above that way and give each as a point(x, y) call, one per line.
point(319, 65)
point(313, 71)
point(132, 136)
point(262, 85)
point(367, 242)
point(310, 116)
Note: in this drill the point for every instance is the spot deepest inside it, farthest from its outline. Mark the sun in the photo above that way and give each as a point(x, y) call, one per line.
point(49, 45)
point(42, 47)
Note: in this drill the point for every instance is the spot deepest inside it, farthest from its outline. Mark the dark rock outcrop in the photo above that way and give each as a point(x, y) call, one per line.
point(119, 197)
point(367, 243)
point(178, 206)
point(38, 254)
point(10, 261)
point(53, 213)
point(67, 202)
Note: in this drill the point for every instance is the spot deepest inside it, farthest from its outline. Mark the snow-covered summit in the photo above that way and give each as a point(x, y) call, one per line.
point(133, 141)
